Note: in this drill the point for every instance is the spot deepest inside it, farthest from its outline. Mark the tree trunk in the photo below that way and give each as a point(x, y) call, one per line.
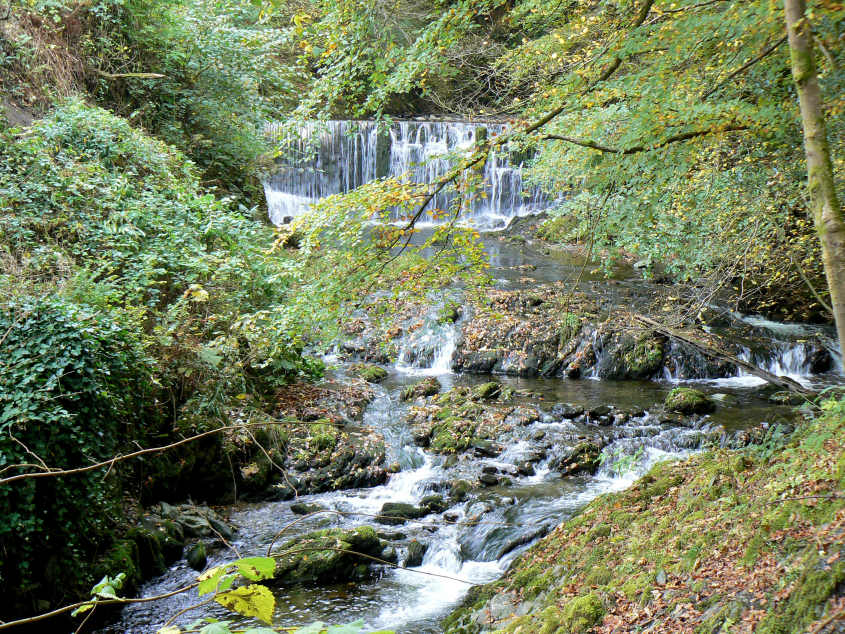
point(827, 212)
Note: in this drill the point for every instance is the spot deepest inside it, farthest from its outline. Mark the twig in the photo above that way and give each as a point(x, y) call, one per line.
point(69, 608)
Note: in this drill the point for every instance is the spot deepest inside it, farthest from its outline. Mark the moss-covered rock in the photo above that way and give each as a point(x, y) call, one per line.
point(487, 391)
point(584, 457)
point(401, 512)
point(427, 387)
point(686, 400)
point(370, 373)
point(197, 556)
point(327, 556)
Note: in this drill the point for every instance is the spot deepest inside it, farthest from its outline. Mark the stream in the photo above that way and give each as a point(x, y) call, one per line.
point(521, 508)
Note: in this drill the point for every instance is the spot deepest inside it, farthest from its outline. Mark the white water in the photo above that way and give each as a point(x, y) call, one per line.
point(338, 156)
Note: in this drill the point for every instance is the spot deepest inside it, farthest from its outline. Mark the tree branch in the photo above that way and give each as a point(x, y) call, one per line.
point(684, 136)
point(112, 461)
point(768, 51)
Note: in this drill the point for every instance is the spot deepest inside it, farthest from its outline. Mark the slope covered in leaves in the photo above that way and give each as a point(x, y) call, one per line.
point(741, 541)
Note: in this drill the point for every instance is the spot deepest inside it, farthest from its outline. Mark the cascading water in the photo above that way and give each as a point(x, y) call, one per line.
point(338, 156)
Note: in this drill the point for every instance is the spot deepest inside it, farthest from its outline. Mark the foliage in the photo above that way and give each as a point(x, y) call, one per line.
point(224, 77)
point(73, 385)
point(117, 219)
point(162, 295)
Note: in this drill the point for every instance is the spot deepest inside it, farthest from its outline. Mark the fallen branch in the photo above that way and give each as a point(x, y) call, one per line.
point(781, 381)
point(103, 73)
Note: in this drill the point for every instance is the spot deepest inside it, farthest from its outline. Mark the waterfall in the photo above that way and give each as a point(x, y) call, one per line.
point(338, 156)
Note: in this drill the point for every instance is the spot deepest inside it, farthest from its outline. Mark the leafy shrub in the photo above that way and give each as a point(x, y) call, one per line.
point(72, 388)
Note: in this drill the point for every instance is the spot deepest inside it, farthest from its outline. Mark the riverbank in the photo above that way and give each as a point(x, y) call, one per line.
point(748, 540)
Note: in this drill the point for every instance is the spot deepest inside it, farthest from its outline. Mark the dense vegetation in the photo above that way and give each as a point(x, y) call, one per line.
point(143, 297)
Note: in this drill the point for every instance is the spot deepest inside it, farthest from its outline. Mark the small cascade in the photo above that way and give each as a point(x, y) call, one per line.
point(429, 349)
point(338, 156)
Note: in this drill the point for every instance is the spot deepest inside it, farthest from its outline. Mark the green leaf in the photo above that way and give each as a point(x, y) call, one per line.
point(253, 600)
point(256, 568)
point(221, 627)
point(209, 580)
point(170, 629)
point(260, 630)
point(312, 628)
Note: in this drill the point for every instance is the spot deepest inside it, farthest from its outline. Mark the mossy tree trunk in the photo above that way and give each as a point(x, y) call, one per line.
point(827, 211)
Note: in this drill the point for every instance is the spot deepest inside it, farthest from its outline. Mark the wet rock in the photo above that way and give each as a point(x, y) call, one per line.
point(304, 508)
point(433, 503)
point(787, 397)
point(582, 458)
point(196, 556)
point(324, 557)
point(459, 490)
point(601, 411)
point(489, 469)
point(687, 400)
point(400, 512)
point(391, 536)
point(525, 469)
point(416, 553)
point(370, 373)
point(621, 355)
point(390, 554)
point(148, 546)
point(427, 387)
point(486, 448)
point(394, 467)
point(488, 479)
point(487, 391)
point(538, 435)
point(523, 539)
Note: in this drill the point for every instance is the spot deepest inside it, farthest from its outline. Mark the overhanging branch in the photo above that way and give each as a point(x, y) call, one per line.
point(643, 148)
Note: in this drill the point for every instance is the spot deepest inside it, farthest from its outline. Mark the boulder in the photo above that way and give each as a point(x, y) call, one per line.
point(324, 556)
point(686, 400)
point(369, 372)
point(304, 508)
point(197, 557)
point(415, 554)
point(400, 512)
point(427, 387)
point(582, 458)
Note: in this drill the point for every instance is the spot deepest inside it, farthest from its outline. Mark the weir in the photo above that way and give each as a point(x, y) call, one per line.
point(334, 157)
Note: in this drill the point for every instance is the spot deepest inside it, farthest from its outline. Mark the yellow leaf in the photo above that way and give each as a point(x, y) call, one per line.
point(253, 600)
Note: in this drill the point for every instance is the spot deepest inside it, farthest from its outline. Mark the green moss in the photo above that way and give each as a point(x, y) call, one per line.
point(688, 401)
point(806, 602)
point(323, 436)
point(581, 613)
point(645, 357)
point(570, 325)
point(370, 373)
